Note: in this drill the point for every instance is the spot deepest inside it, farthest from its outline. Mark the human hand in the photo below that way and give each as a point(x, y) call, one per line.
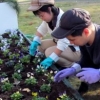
point(64, 73)
point(50, 60)
point(33, 48)
point(47, 63)
point(89, 75)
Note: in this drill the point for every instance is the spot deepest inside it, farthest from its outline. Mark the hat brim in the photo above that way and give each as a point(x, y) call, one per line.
point(34, 8)
point(60, 33)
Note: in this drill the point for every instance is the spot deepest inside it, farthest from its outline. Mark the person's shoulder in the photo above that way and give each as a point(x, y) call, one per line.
point(60, 13)
point(60, 10)
point(97, 28)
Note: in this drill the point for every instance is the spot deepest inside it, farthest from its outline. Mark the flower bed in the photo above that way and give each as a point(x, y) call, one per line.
point(21, 77)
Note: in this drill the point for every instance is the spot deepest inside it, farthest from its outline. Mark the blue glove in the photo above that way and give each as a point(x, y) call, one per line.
point(64, 73)
point(89, 75)
point(47, 63)
point(33, 48)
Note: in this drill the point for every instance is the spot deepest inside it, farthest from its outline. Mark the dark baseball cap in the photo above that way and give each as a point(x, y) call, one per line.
point(71, 21)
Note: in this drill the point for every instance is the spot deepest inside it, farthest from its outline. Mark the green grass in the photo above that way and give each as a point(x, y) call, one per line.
point(28, 23)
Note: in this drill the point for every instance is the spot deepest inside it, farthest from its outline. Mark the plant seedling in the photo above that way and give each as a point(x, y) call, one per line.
point(6, 86)
point(1, 61)
point(17, 76)
point(45, 88)
point(31, 81)
point(40, 70)
point(16, 96)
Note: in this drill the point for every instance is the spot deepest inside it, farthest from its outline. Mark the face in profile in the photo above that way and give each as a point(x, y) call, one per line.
point(45, 16)
point(77, 40)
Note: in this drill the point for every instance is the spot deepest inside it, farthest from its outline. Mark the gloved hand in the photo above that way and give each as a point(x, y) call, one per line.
point(64, 73)
point(33, 47)
point(49, 61)
point(89, 75)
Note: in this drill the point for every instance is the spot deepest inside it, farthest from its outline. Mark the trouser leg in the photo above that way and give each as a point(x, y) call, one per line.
point(83, 88)
point(46, 44)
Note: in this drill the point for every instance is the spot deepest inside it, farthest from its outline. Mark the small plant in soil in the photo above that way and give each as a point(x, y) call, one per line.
point(3, 75)
point(9, 63)
point(39, 98)
point(25, 59)
point(18, 67)
point(31, 81)
point(64, 97)
point(16, 96)
point(13, 56)
point(16, 42)
point(50, 76)
point(14, 37)
point(6, 86)
point(9, 41)
point(1, 61)
point(36, 97)
point(45, 88)
point(6, 52)
point(38, 57)
point(40, 70)
point(1, 44)
point(17, 76)
point(25, 49)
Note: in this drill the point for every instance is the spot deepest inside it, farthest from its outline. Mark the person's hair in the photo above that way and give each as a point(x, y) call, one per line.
point(77, 33)
point(45, 9)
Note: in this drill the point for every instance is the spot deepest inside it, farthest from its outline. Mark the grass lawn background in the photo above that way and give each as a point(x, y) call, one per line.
point(28, 24)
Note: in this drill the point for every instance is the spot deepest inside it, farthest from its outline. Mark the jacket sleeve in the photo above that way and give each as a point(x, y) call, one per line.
point(42, 29)
point(62, 44)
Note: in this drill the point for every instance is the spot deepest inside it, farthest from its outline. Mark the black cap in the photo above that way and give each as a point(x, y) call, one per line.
point(72, 20)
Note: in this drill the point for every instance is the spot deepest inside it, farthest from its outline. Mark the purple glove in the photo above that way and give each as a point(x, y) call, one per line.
point(64, 73)
point(89, 75)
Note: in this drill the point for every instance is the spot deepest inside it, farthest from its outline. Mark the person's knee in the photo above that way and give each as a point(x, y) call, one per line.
point(48, 51)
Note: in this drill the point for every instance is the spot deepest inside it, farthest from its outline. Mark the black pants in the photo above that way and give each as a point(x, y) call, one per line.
point(83, 88)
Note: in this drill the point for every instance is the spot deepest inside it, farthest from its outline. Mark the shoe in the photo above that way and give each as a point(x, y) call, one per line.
point(83, 88)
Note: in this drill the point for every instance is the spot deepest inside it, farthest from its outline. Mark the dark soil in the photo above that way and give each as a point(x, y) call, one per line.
point(8, 67)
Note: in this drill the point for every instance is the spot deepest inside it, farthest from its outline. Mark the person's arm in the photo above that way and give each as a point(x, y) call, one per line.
point(57, 52)
point(85, 60)
point(37, 38)
point(54, 57)
point(42, 29)
point(34, 44)
point(39, 34)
